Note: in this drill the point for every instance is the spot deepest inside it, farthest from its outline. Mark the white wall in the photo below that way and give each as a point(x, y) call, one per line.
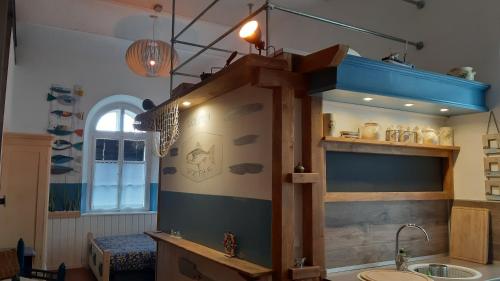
point(464, 33)
point(349, 117)
point(67, 237)
point(9, 89)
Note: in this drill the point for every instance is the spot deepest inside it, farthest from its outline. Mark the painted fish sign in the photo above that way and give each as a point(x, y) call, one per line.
point(202, 157)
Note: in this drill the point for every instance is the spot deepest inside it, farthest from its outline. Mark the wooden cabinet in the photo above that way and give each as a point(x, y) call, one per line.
point(25, 185)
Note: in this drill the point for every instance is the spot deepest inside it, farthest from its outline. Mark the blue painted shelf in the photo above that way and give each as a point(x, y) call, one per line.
point(363, 81)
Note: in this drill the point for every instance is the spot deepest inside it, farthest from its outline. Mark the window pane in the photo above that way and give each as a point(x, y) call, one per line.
point(133, 150)
point(128, 122)
point(105, 186)
point(106, 149)
point(109, 122)
point(134, 187)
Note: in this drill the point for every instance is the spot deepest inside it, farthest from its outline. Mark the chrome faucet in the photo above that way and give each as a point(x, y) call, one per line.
point(400, 258)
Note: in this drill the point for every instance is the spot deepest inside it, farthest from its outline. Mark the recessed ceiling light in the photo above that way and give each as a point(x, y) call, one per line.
point(444, 109)
point(409, 104)
point(186, 103)
point(368, 99)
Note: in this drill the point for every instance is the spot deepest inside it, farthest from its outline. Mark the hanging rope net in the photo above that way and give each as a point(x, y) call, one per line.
point(166, 126)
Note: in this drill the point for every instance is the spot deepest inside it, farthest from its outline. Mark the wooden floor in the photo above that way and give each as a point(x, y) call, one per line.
point(80, 274)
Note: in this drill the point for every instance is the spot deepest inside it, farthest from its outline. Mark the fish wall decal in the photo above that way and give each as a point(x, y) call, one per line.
point(62, 113)
point(62, 99)
point(199, 156)
point(247, 139)
point(60, 130)
point(169, 170)
point(64, 144)
point(59, 170)
point(60, 159)
point(174, 151)
point(60, 90)
point(243, 110)
point(78, 91)
point(246, 168)
point(79, 132)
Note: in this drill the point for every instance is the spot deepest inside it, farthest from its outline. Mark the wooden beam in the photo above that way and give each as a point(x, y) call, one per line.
point(304, 177)
point(386, 196)
point(329, 57)
point(238, 74)
point(282, 191)
point(313, 157)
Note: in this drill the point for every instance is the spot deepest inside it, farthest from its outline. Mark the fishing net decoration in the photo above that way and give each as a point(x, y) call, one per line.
point(166, 124)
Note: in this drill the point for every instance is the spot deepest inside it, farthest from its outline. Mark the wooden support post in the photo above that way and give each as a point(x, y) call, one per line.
point(313, 157)
point(283, 190)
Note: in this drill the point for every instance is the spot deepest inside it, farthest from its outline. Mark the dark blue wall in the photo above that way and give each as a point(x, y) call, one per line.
point(204, 219)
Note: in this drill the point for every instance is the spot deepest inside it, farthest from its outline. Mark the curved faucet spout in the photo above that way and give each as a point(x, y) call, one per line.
point(410, 225)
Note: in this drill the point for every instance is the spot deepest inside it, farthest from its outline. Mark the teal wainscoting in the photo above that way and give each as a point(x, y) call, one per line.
point(74, 196)
point(204, 219)
point(65, 197)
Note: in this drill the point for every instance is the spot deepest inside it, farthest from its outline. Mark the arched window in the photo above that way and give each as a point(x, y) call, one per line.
point(118, 159)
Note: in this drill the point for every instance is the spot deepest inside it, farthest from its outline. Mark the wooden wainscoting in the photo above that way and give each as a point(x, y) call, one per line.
point(67, 237)
point(358, 233)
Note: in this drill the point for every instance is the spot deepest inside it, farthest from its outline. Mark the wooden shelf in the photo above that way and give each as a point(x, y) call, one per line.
point(304, 177)
point(244, 268)
point(386, 196)
point(387, 147)
point(64, 214)
point(305, 273)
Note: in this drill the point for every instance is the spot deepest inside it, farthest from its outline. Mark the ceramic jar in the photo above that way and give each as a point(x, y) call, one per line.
point(407, 136)
point(371, 131)
point(446, 136)
point(430, 136)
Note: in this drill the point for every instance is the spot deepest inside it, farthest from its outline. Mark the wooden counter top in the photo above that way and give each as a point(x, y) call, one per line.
point(244, 268)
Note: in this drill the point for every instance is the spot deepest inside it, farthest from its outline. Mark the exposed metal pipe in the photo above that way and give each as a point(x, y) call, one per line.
point(187, 75)
point(243, 21)
point(195, 19)
point(203, 46)
point(419, 45)
point(268, 43)
point(172, 51)
point(419, 3)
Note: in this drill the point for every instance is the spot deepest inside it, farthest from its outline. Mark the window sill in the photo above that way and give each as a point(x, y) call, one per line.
point(118, 213)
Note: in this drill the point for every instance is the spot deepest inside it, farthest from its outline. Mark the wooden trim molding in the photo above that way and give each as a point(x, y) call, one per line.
point(64, 215)
point(245, 268)
point(386, 196)
point(304, 177)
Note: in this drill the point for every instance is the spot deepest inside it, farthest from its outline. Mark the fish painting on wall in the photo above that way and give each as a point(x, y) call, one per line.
point(61, 159)
point(62, 113)
point(59, 170)
point(62, 99)
point(202, 157)
point(64, 144)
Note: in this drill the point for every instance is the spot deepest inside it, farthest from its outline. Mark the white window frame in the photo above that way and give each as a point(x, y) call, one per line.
point(120, 136)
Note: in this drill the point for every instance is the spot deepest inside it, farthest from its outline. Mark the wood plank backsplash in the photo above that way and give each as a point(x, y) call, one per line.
point(67, 237)
point(494, 208)
point(359, 233)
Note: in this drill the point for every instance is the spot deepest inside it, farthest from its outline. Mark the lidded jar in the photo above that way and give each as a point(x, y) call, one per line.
point(430, 136)
point(371, 131)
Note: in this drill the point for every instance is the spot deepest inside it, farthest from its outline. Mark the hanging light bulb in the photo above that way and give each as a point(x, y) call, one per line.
point(251, 33)
point(150, 57)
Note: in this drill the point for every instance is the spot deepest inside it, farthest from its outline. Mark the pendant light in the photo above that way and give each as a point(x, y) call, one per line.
point(151, 57)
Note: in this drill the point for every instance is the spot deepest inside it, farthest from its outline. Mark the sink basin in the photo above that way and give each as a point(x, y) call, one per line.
point(455, 272)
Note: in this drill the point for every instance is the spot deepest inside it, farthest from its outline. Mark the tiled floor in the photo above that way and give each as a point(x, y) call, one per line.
point(80, 274)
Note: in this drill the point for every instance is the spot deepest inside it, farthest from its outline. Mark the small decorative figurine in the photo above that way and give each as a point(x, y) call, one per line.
point(299, 168)
point(230, 244)
point(299, 262)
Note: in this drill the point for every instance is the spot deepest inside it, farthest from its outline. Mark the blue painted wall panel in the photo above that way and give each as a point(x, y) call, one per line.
point(204, 219)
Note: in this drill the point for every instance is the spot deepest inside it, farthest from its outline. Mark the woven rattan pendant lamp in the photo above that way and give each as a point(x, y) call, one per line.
point(151, 57)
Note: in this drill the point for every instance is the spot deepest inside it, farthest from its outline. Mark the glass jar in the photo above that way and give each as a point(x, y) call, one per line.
point(371, 131)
